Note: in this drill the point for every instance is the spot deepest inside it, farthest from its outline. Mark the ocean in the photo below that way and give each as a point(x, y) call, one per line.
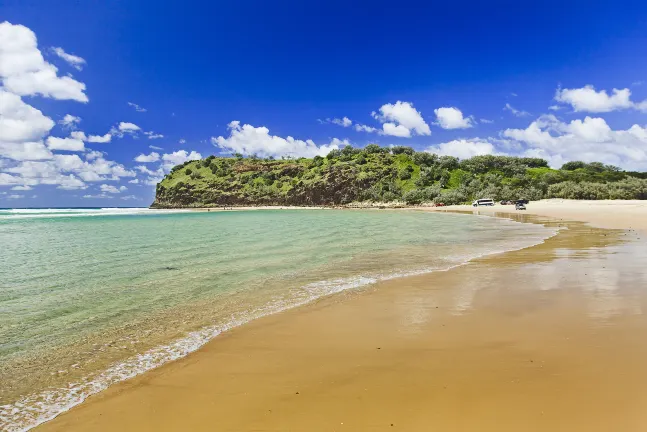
point(91, 297)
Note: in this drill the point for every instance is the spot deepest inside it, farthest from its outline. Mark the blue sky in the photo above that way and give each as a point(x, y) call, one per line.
point(219, 77)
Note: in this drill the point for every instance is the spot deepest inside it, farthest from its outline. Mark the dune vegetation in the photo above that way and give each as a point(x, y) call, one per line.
point(377, 174)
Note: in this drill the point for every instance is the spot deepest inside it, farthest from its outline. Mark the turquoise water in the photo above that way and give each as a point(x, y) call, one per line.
point(92, 297)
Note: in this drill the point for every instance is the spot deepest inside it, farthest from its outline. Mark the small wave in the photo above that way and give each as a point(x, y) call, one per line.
point(36, 409)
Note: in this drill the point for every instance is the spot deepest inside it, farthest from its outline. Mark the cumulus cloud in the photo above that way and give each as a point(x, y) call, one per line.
point(463, 148)
point(68, 144)
point(400, 116)
point(248, 140)
point(24, 71)
point(112, 189)
point(69, 121)
point(395, 130)
point(588, 140)
point(125, 128)
point(365, 128)
point(452, 118)
point(137, 107)
point(80, 135)
point(100, 138)
point(66, 171)
point(345, 121)
point(514, 111)
point(180, 157)
point(153, 135)
point(128, 127)
point(587, 99)
point(75, 61)
point(22, 128)
point(22, 188)
point(153, 157)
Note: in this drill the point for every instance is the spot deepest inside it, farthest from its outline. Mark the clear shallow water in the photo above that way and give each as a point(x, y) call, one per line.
point(92, 297)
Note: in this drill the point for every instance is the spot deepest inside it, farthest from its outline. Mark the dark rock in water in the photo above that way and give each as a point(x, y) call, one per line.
point(171, 268)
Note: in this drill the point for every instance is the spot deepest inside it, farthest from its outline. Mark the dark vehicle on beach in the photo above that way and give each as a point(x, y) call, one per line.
point(506, 202)
point(520, 205)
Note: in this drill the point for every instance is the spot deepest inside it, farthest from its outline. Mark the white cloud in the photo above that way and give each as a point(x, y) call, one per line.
point(24, 71)
point(180, 157)
point(92, 155)
point(463, 148)
point(129, 197)
point(25, 151)
point(75, 61)
point(365, 128)
point(588, 140)
point(128, 127)
point(153, 135)
point(395, 130)
point(587, 99)
point(22, 128)
point(66, 171)
point(22, 188)
point(69, 121)
point(486, 121)
point(153, 157)
point(345, 122)
point(112, 189)
point(133, 181)
point(155, 147)
point(399, 116)
point(554, 107)
point(452, 118)
point(68, 144)
point(20, 122)
point(249, 140)
point(91, 138)
point(137, 107)
point(98, 196)
point(15, 196)
point(514, 111)
point(100, 139)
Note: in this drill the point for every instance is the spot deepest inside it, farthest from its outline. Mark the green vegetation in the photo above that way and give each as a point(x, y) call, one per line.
point(379, 174)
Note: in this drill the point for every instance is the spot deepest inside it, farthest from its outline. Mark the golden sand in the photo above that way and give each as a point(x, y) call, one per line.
point(550, 338)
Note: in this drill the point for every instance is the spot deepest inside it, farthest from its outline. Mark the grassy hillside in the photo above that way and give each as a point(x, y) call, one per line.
point(380, 174)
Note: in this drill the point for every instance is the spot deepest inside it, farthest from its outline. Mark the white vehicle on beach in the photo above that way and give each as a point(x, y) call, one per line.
point(483, 202)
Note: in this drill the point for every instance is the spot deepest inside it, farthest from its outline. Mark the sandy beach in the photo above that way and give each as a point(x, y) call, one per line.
point(546, 338)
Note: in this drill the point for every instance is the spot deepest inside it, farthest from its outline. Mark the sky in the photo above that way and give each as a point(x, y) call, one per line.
point(99, 100)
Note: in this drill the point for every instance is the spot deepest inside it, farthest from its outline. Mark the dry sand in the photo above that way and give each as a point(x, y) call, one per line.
point(618, 214)
point(547, 338)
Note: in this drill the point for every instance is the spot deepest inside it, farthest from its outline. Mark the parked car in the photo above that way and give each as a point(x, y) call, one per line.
point(483, 202)
point(506, 202)
point(520, 205)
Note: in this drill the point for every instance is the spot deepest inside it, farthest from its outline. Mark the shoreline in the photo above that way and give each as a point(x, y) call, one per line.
point(178, 349)
point(597, 213)
point(168, 368)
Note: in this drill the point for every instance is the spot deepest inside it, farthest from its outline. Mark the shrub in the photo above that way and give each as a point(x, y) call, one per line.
point(451, 197)
point(396, 150)
point(188, 171)
point(425, 159)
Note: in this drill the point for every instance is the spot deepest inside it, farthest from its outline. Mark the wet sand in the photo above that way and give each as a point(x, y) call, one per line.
point(547, 338)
